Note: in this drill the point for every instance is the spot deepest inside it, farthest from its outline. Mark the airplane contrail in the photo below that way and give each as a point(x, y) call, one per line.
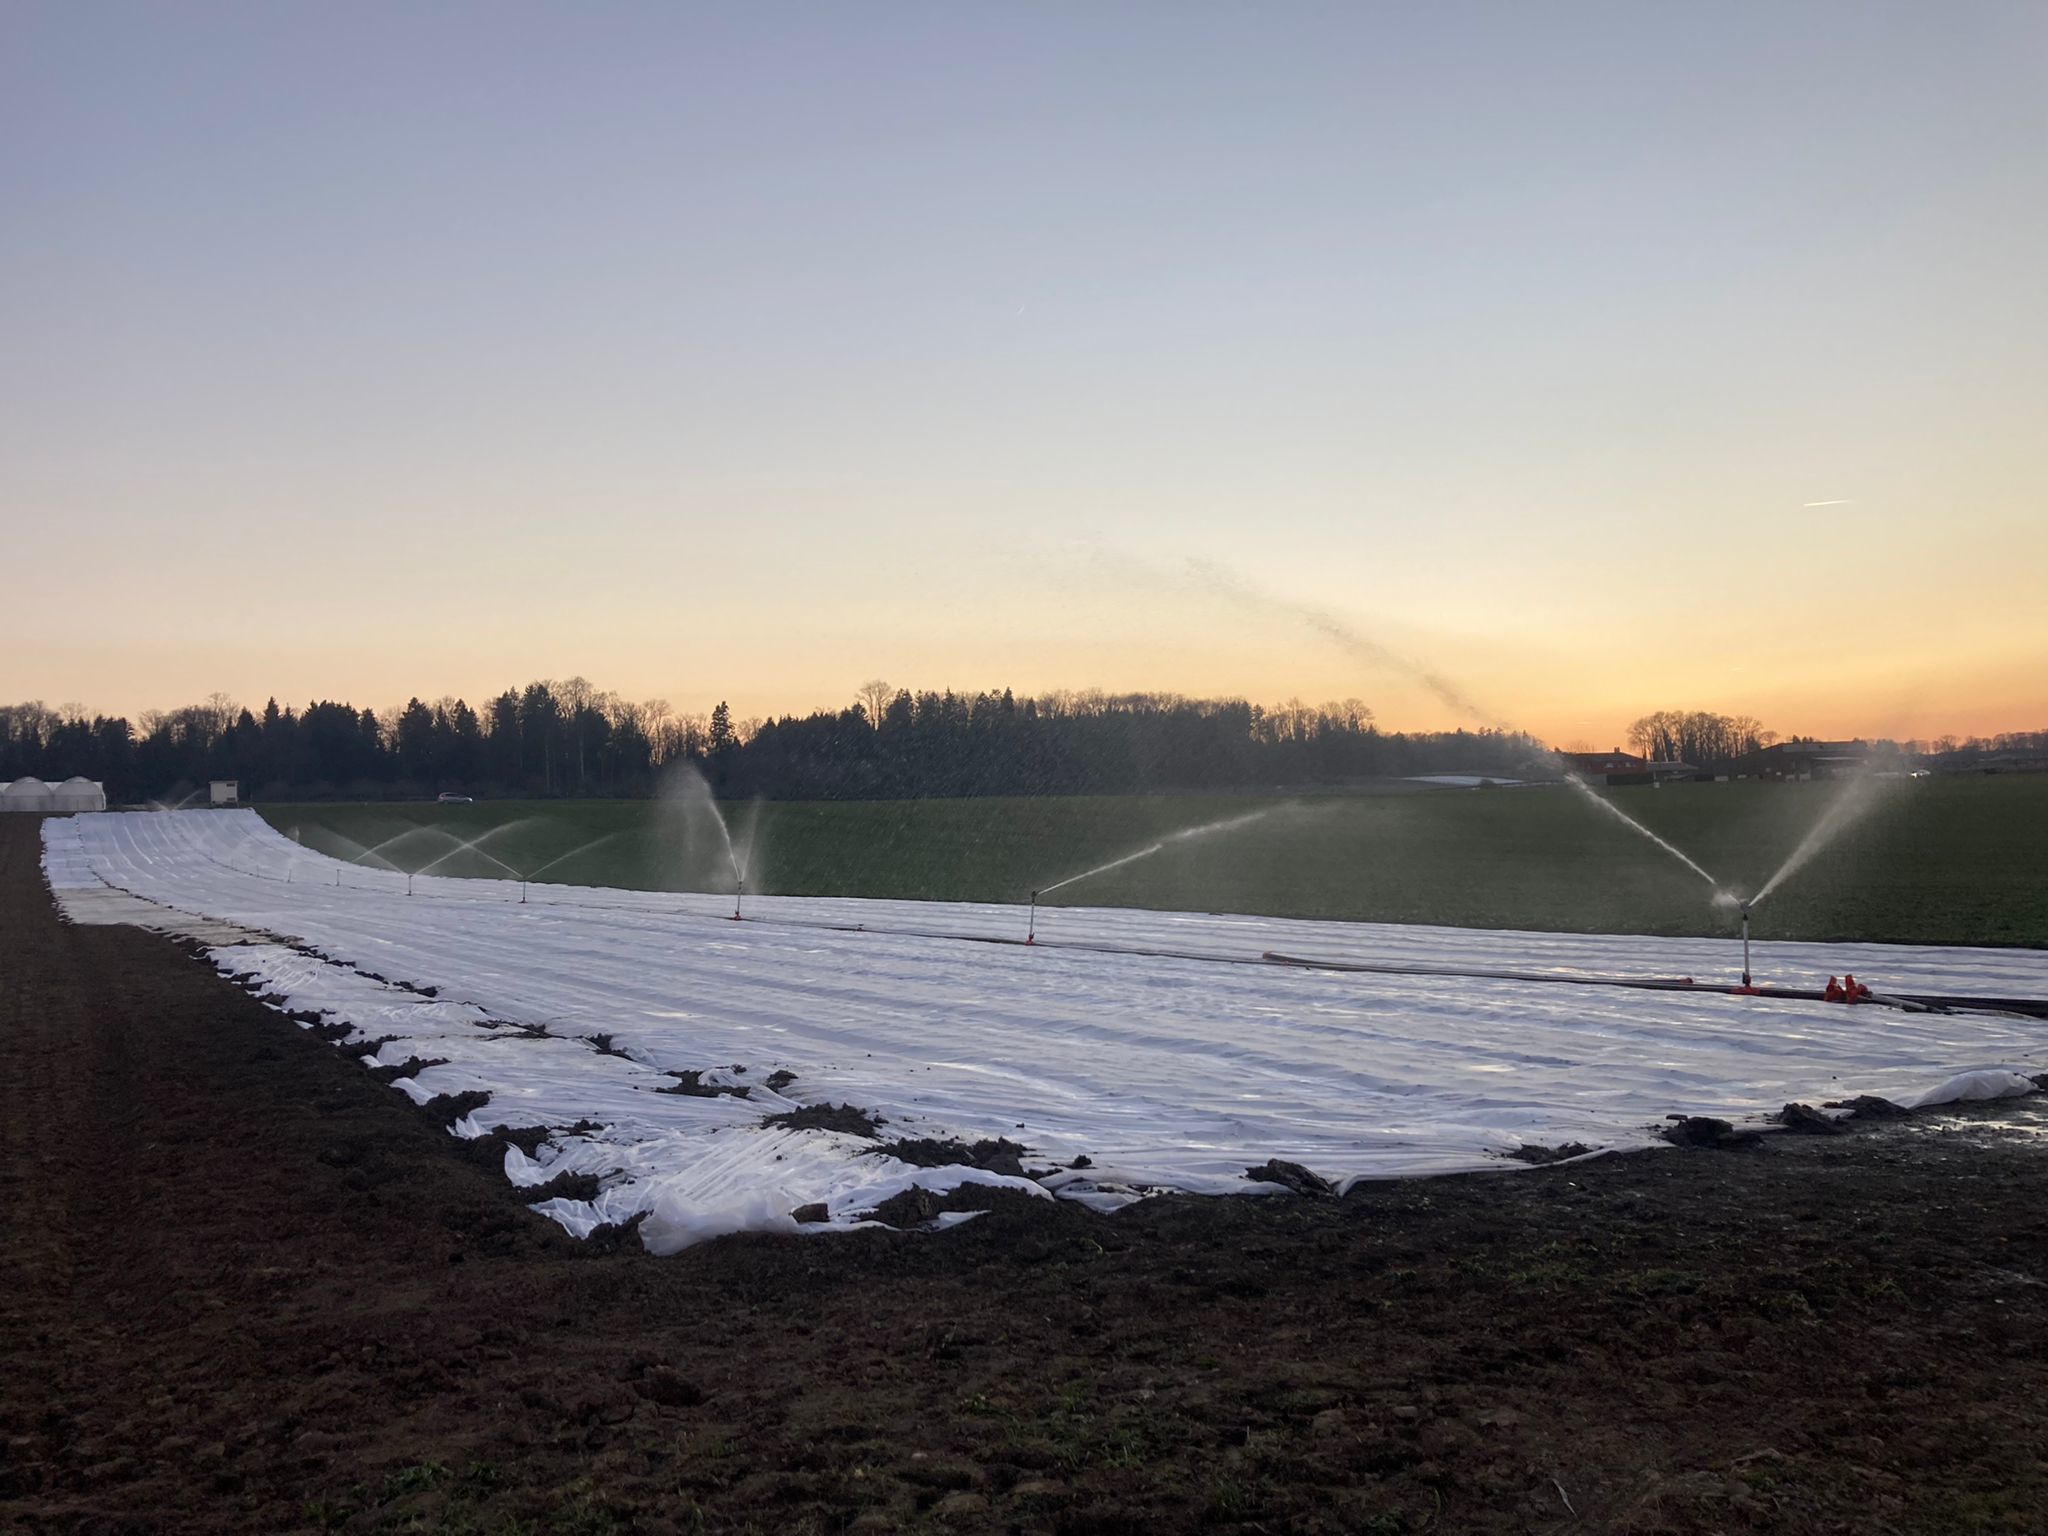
point(1839, 501)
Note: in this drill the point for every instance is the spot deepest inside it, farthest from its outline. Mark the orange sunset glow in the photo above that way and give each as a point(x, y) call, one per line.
point(731, 379)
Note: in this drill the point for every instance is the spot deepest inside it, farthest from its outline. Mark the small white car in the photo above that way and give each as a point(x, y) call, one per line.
point(449, 797)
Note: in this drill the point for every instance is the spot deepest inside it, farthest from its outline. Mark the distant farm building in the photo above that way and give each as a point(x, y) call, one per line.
point(225, 791)
point(34, 795)
point(1796, 760)
point(1619, 767)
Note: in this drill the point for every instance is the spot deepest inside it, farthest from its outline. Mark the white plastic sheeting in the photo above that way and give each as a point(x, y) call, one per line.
point(1168, 1072)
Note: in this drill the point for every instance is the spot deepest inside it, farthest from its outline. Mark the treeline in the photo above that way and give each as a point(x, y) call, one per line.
point(948, 744)
point(1698, 737)
point(1708, 740)
point(1966, 751)
point(570, 739)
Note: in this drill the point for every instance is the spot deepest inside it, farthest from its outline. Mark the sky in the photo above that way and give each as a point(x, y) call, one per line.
point(1601, 357)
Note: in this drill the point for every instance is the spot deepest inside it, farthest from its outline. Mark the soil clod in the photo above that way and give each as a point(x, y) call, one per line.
point(1805, 1120)
point(1868, 1106)
point(913, 1208)
point(1291, 1176)
point(563, 1186)
point(450, 1107)
point(1706, 1131)
point(412, 1066)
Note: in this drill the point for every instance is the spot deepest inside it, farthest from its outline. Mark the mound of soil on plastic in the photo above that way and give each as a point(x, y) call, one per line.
point(692, 1085)
point(999, 1155)
point(246, 1288)
point(829, 1117)
point(412, 1066)
point(563, 1186)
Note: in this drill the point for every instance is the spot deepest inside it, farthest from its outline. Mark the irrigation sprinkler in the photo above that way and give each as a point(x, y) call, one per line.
point(1745, 945)
point(739, 890)
point(1031, 927)
point(408, 882)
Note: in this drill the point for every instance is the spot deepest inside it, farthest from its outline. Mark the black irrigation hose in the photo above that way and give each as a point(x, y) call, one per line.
point(2029, 1007)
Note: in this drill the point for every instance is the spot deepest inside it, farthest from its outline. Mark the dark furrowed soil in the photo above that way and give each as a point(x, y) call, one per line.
point(246, 1287)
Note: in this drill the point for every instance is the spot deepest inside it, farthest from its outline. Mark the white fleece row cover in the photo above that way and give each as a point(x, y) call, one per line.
point(1177, 1069)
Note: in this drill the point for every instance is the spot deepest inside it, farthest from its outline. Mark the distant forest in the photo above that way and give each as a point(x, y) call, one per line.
point(570, 739)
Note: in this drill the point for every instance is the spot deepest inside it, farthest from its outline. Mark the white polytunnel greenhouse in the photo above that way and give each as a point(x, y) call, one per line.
point(74, 794)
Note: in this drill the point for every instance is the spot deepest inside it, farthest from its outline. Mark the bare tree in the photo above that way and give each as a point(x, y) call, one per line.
point(220, 713)
point(875, 694)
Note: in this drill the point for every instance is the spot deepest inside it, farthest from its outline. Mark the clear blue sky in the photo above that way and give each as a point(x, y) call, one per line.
point(758, 350)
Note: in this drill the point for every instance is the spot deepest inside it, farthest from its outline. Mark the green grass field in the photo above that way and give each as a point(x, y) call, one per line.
point(1952, 860)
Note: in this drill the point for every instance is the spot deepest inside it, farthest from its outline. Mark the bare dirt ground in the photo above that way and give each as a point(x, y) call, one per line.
point(246, 1287)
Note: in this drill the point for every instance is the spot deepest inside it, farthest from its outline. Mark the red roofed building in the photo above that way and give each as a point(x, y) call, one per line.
point(1619, 767)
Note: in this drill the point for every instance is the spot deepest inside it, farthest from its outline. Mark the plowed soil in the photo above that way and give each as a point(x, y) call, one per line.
point(245, 1286)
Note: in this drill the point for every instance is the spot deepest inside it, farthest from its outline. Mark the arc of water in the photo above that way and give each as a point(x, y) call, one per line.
point(750, 841)
point(468, 847)
point(1854, 799)
point(1228, 823)
point(688, 790)
point(563, 858)
point(324, 836)
point(1102, 869)
point(1375, 654)
point(1600, 800)
point(376, 850)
